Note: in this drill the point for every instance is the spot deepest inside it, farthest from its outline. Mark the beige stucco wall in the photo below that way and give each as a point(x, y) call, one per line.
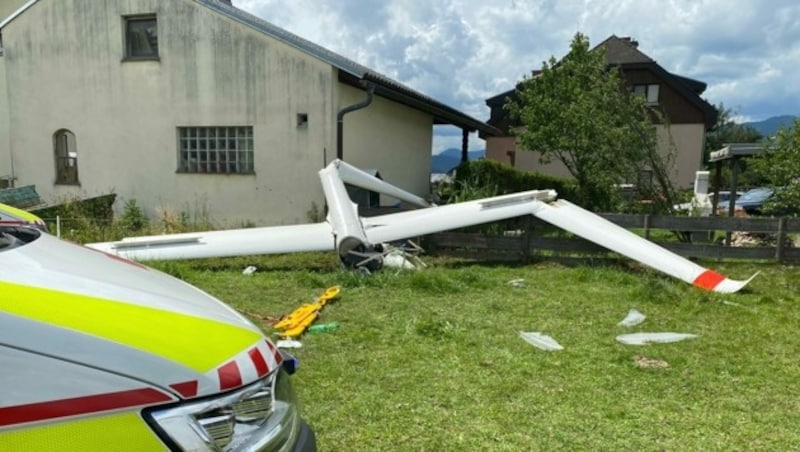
point(7, 7)
point(63, 62)
point(500, 148)
point(391, 138)
point(688, 141)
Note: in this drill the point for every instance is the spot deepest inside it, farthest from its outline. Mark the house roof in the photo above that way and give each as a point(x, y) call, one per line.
point(354, 72)
point(384, 86)
point(624, 52)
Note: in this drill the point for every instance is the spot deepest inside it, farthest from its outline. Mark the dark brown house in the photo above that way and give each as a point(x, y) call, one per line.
point(689, 115)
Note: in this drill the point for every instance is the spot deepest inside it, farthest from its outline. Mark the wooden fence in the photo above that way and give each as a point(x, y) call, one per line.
point(531, 239)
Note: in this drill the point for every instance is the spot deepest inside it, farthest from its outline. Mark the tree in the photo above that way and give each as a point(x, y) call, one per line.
point(579, 111)
point(779, 164)
point(725, 130)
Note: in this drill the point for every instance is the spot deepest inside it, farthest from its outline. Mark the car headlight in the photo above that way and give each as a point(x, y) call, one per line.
point(263, 416)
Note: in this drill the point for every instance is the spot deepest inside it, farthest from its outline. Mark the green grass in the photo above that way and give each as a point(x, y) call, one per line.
point(432, 360)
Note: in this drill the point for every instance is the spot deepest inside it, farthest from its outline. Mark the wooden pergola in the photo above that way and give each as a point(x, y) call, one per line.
point(732, 153)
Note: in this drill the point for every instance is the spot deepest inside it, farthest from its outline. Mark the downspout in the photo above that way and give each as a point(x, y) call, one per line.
point(340, 119)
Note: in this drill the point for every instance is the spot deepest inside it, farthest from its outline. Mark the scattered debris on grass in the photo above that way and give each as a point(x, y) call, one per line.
point(645, 362)
point(646, 338)
point(249, 270)
point(289, 343)
point(540, 340)
point(323, 327)
point(517, 282)
point(633, 318)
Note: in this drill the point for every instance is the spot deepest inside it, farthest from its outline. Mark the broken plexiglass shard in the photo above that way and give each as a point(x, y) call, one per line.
point(540, 340)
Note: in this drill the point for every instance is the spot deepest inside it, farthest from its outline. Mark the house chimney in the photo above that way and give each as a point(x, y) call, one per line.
point(631, 41)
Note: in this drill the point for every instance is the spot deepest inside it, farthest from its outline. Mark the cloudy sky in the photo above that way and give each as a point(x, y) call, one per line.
point(461, 52)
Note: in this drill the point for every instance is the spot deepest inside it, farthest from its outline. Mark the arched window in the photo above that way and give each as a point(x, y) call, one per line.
point(66, 155)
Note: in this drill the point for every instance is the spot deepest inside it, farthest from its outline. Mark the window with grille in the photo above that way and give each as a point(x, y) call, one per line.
point(66, 156)
point(215, 150)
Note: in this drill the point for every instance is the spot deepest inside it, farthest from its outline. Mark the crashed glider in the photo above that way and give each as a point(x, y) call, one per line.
point(359, 240)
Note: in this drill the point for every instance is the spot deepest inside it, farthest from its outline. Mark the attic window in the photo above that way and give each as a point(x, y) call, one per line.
point(302, 120)
point(141, 37)
point(649, 92)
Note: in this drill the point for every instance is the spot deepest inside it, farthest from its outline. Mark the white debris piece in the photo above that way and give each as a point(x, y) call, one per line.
point(633, 318)
point(646, 338)
point(517, 282)
point(400, 259)
point(288, 343)
point(540, 340)
point(249, 270)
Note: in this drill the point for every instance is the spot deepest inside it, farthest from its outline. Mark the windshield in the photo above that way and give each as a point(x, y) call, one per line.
point(14, 237)
point(756, 194)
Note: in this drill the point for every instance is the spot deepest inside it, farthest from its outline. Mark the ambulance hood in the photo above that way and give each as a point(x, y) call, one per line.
point(75, 304)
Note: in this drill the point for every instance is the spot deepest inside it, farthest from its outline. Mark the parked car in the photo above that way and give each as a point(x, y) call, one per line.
point(725, 197)
point(722, 204)
point(752, 201)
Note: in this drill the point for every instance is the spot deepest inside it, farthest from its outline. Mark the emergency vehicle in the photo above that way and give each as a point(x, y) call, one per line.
point(101, 353)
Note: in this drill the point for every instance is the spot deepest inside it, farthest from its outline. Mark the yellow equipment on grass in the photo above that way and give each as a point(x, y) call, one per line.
point(296, 323)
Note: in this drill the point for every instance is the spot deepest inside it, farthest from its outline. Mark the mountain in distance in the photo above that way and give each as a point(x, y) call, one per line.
point(451, 158)
point(770, 126)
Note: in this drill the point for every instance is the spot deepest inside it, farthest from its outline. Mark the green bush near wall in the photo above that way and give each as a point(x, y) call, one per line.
point(489, 178)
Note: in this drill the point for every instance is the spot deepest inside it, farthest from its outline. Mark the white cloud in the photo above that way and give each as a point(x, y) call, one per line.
point(461, 51)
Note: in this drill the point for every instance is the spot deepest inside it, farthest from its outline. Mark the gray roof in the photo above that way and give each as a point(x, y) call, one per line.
point(384, 86)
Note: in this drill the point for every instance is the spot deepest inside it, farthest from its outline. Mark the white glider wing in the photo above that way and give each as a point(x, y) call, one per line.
point(234, 242)
point(403, 225)
point(597, 229)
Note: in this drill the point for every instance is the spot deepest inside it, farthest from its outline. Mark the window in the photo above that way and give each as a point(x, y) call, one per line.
point(215, 150)
point(141, 37)
point(66, 157)
point(649, 92)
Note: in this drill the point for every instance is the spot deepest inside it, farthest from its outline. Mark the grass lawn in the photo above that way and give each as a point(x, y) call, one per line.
point(432, 360)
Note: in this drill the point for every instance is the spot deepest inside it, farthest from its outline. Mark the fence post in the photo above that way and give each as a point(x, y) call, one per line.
point(58, 226)
point(647, 226)
point(526, 241)
point(781, 236)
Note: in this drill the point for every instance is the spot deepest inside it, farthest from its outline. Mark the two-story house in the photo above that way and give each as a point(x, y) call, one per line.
point(689, 115)
point(198, 106)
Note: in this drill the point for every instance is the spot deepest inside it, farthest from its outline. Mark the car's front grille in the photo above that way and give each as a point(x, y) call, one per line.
point(261, 416)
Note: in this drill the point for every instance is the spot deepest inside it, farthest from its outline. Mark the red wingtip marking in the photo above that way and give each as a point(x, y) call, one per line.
point(186, 389)
point(229, 376)
point(708, 280)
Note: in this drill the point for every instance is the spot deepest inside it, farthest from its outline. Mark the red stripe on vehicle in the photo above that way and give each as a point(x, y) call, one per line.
point(258, 361)
point(186, 389)
point(119, 258)
point(275, 352)
point(708, 280)
point(229, 376)
point(80, 405)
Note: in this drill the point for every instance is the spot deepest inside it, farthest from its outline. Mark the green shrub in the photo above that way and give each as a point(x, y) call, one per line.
point(482, 178)
point(133, 217)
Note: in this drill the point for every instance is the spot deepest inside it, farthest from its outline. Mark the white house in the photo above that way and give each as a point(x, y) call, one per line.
point(195, 105)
